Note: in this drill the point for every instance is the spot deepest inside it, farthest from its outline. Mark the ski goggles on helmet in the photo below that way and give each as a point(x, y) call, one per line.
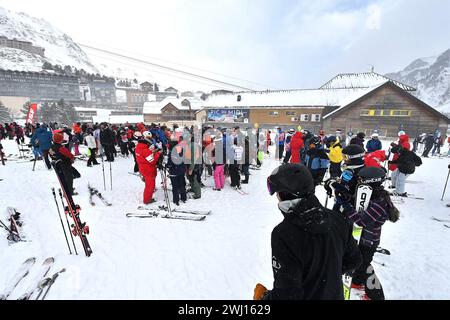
point(354, 156)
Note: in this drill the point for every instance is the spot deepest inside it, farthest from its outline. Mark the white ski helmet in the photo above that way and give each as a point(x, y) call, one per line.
point(147, 135)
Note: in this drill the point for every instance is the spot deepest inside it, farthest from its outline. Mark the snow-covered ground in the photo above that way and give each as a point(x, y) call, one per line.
point(222, 257)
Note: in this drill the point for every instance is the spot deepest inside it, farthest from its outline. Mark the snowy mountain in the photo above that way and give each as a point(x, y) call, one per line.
point(59, 48)
point(431, 77)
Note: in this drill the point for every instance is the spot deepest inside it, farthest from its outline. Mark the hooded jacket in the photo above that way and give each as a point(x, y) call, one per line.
point(374, 159)
point(297, 144)
point(311, 249)
point(403, 142)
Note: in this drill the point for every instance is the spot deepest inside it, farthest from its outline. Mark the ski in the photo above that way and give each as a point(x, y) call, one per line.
point(79, 229)
point(18, 277)
point(408, 196)
point(94, 191)
point(47, 284)
point(164, 215)
point(194, 212)
point(46, 266)
point(240, 191)
point(439, 220)
point(383, 251)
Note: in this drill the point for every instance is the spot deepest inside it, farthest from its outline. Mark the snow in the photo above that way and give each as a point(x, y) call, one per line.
point(222, 257)
point(154, 107)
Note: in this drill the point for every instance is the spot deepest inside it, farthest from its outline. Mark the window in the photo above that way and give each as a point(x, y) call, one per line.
point(400, 113)
point(273, 113)
point(304, 117)
point(315, 117)
point(291, 113)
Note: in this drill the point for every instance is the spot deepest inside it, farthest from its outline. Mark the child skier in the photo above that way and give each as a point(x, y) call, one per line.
point(316, 159)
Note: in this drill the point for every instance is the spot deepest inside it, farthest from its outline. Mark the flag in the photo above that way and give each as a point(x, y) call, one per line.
point(31, 112)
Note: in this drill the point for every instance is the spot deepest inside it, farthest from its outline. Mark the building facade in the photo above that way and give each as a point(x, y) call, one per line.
point(21, 45)
point(39, 86)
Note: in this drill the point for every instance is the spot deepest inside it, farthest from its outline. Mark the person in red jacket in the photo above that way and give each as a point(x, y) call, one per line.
point(374, 159)
point(60, 153)
point(147, 158)
point(297, 144)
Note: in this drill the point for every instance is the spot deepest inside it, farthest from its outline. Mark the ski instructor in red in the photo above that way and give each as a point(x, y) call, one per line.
point(147, 158)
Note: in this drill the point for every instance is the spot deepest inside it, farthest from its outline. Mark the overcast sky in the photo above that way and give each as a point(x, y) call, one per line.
point(280, 43)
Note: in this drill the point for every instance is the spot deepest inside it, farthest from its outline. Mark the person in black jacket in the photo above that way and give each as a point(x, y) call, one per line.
point(406, 162)
point(107, 140)
point(177, 171)
point(429, 142)
point(312, 247)
point(359, 139)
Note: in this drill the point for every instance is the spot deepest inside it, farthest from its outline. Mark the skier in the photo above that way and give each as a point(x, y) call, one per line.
point(246, 161)
point(316, 160)
point(281, 140)
point(335, 155)
point(177, 171)
point(287, 146)
point(312, 247)
point(147, 157)
point(218, 162)
point(429, 142)
point(107, 141)
point(406, 162)
point(297, 145)
point(193, 171)
point(345, 186)
point(438, 142)
point(359, 139)
point(236, 159)
point(379, 210)
point(58, 152)
point(89, 140)
point(341, 138)
point(374, 143)
point(42, 137)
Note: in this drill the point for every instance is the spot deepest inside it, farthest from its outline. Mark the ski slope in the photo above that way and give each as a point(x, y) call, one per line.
point(222, 257)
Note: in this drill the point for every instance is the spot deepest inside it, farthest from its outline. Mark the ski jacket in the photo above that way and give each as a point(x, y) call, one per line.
point(42, 137)
point(371, 220)
point(311, 249)
point(107, 137)
point(146, 159)
point(281, 138)
point(175, 162)
point(374, 159)
point(297, 144)
point(404, 143)
point(406, 160)
point(336, 152)
point(317, 161)
point(373, 145)
point(358, 141)
point(90, 142)
point(59, 152)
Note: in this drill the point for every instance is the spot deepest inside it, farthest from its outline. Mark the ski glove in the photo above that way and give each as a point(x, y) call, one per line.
point(259, 292)
point(328, 188)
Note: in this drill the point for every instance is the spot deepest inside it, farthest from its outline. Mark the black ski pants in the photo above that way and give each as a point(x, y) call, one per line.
point(178, 188)
point(92, 160)
point(365, 274)
point(234, 175)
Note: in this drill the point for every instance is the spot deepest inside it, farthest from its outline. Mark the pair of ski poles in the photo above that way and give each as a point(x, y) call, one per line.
point(446, 182)
point(110, 173)
point(62, 224)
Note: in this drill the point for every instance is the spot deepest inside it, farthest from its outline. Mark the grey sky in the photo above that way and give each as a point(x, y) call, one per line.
point(285, 44)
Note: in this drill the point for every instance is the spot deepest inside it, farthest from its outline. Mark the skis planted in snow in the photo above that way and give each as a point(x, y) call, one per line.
point(165, 215)
point(35, 287)
point(18, 277)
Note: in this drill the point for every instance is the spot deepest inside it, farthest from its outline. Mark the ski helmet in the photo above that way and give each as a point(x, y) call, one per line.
point(331, 140)
point(372, 176)
point(138, 135)
point(361, 135)
point(58, 137)
point(147, 135)
point(291, 180)
point(353, 155)
point(315, 142)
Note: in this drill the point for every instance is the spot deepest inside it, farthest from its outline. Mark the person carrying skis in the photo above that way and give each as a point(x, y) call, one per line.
point(312, 247)
point(316, 160)
point(345, 186)
point(379, 210)
point(147, 157)
point(374, 144)
point(58, 152)
point(335, 155)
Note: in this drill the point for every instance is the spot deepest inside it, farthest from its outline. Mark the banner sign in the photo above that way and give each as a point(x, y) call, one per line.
point(228, 115)
point(31, 113)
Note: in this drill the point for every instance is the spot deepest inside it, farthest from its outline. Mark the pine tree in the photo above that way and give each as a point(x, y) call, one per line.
point(71, 114)
point(25, 108)
point(4, 114)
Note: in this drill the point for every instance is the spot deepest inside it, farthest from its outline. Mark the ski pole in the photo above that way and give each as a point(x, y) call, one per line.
point(445, 188)
point(67, 220)
point(103, 170)
point(110, 174)
point(60, 219)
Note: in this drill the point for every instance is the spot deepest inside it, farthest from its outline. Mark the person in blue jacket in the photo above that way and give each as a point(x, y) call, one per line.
point(316, 160)
point(42, 137)
point(374, 144)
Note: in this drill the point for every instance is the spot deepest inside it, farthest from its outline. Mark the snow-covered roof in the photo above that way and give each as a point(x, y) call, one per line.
point(100, 112)
point(361, 80)
point(154, 107)
point(285, 98)
point(125, 119)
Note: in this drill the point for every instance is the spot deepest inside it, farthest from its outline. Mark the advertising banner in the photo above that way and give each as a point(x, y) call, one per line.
point(228, 115)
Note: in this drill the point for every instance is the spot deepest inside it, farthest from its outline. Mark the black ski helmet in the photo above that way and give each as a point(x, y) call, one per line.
point(372, 176)
point(353, 155)
point(315, 141)
point(291, 179)
point(361, 135)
